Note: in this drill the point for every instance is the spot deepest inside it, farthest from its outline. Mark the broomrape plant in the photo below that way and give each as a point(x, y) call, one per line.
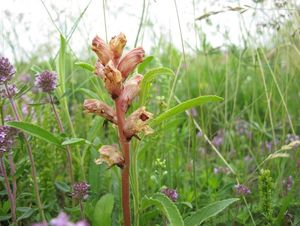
point(114, 70)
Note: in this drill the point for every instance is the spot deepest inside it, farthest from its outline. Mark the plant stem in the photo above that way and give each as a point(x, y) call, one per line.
point(81, 210)
point(69, 153)
point(13, 173)
point(125, 171)
point(9, 193)
point(31, 159)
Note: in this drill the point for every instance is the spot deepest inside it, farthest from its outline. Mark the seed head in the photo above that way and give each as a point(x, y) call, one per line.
point(7, 70)
point(46, 81)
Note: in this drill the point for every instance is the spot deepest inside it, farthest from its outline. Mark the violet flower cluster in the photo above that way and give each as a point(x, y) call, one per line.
point(46, 81)
point(62, 220)
point(7, 70)
point(7, 135)
point(171, 193)
point(80, 190)
point(241, 189)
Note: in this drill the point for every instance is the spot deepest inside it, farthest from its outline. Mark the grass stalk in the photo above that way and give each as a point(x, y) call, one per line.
point(31, 158)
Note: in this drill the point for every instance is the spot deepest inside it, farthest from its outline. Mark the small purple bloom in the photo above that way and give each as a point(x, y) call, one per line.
point(171, 193)
point(292, 138)
point(7, 70)
point(9, 92)
point(6, 138)
point(61, 220)
point(288, 183)
point(218, 140)
point(242, 189)
point(80, 190)
point(221, 170)
point(46, 81)
point(242, 128)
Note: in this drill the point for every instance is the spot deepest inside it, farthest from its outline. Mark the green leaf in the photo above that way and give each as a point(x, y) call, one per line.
point(89, 93)
point(145, 63)
point(166, 206)
point(207, 212)
point(73, 141)
point(86, 66)
point(147, 79)
point(35, 131)
point(103, 210)
point(27, 212)
point(185, 106)
point(62, 186)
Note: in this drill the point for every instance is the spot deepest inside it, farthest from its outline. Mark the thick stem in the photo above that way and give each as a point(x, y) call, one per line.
point(31, 159)
point(125, 171)
point(69, 153)
point(9, 192)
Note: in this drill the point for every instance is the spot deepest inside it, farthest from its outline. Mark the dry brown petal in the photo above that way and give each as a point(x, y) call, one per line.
point(110, 155)
point(102, 50)
point(138, 122)
point(116, 45)
point(100, 108)
point(130, 61)
point(113, 80)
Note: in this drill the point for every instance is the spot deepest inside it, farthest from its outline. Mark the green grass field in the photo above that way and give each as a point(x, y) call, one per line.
point(233, 161)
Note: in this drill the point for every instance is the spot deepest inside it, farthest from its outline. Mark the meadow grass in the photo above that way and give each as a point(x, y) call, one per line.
point(202, 153)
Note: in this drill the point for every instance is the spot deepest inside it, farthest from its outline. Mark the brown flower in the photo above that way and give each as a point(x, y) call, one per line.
point(110, 155)
point(130, 91)
point(116, 45)
point(102, 50)
point(130, 61)
point(112, 80)
point(100, 108)
point(138, 122)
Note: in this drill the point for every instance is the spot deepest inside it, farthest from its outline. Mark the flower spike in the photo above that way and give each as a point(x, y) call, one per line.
point(102, 50)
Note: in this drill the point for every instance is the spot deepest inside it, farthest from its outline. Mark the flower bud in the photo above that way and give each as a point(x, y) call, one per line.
point(99, 69)
point(100, 108)
point(130, 61)
point(102, 50)
point(116, 45)
point(112, 80)
point(130, 91)
point(137, 122)
point(111, 156)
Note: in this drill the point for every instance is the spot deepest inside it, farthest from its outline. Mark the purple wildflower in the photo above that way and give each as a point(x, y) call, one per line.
point(241, 189)
point(218, 140)
point(288, 183)
point(6, 138)
point(242, 128)
point(199, 134)
point(221, 170)
point(62, 220)
point(7, 70)
point(9, 92)
point(80, 190)
point(269, 145)
point(292, 138)
point(171, 193)
point(46, 81)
